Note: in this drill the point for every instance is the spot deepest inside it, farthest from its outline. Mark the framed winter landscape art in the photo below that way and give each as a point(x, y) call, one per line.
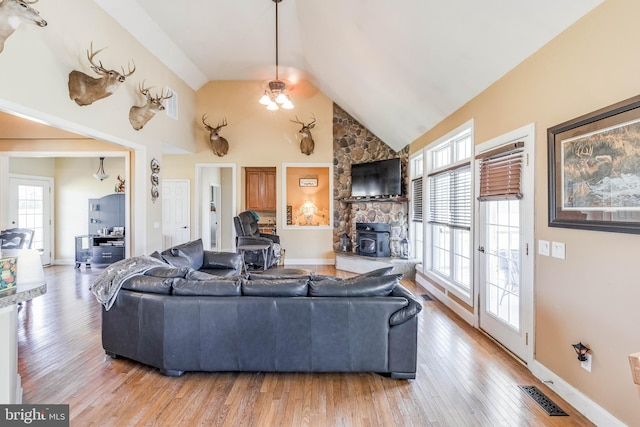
point(594, 170)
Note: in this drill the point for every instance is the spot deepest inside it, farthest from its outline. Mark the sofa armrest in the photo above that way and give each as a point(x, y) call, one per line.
point(222, 260)
point(411, 310)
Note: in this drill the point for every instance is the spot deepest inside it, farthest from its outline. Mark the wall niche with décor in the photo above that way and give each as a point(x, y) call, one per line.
point(353, 143)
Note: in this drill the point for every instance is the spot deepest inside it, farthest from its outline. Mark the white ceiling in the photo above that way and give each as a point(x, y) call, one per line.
point(399, 67)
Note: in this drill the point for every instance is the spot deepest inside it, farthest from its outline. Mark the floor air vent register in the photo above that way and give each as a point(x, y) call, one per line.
point(543, 401)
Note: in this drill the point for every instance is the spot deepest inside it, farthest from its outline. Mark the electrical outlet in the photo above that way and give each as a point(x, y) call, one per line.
point(543, 247)
point(557, 250)
point(586, 365)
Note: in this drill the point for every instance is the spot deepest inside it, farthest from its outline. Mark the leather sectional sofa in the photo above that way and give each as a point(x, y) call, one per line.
point(178, 319)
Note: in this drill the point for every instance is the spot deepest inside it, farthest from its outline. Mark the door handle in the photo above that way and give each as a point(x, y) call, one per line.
point(184, 227)
point(481, 249)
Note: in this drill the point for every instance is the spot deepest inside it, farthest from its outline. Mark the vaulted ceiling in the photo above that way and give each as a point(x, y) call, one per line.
point(399, 67)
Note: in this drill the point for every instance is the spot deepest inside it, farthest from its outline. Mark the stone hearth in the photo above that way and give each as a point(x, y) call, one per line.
point(353, 263)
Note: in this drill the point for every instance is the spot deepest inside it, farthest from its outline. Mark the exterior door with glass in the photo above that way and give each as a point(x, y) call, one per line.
point(30, 207)
point(505, 238)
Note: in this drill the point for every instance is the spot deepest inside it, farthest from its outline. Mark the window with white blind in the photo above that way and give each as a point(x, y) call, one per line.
point(449, 212)
point(416, 229)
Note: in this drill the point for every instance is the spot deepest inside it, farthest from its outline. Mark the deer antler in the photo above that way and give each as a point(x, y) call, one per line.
point(30, 2)
point(584, 151)
point(144, 90)
point(206, 125)
point(91, 54)
point(130, 70)
point(297, 121)
point(162, 95)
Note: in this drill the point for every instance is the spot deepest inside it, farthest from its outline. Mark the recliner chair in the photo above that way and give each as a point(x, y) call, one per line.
point(246, 225)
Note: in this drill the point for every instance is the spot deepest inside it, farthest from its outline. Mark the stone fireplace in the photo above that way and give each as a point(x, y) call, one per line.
point(353, 143)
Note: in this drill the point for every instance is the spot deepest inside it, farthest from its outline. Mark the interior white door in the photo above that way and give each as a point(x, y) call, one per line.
point(30, 207)
point(505, 261)
point(214, 218)
point(175, 212)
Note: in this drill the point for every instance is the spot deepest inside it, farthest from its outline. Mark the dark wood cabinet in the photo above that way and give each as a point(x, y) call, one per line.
point(260, 189)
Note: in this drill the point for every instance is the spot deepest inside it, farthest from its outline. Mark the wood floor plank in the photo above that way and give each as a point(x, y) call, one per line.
point(463, 378)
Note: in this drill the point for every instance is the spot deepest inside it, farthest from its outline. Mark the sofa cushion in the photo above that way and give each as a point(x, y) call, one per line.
point(275, 287)
point(175, 261)
point(377, 273)
point(358, 286)
point(219, 287)
point(148, 284)
point(221, 260)
point(193, 251)
point(167, 272)
point(281, 273)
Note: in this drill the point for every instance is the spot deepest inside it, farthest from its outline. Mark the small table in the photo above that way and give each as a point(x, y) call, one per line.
point(264, 247)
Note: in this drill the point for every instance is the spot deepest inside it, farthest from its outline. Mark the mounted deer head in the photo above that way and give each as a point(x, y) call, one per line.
point(84, 89)
point(219, 145)
point(139, 116)
point(306, 143)
point(15, 12)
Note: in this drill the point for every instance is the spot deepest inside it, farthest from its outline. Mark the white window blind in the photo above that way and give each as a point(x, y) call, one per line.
point(416, 199)
point(500, 173)
point(450, 197)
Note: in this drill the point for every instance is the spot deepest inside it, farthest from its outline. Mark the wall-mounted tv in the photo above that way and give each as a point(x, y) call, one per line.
point(381, 178)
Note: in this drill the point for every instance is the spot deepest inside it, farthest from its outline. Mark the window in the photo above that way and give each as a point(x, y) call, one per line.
point(416, 230)
point(449, 212)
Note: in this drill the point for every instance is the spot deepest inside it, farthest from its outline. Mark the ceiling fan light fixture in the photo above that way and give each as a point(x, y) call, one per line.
point(265, 100)
point(275, 94)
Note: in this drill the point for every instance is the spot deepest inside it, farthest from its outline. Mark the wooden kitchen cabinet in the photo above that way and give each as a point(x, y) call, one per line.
point(260, 189)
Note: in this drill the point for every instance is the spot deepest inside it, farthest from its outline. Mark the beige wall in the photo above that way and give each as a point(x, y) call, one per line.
point(258, 137)
point(35, 65)
point(593, 295)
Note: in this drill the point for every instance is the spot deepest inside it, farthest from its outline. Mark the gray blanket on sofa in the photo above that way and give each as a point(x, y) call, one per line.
point(106, 286)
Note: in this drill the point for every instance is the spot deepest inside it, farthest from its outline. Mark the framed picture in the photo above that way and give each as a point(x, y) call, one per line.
point(594, 170)
point(308, 182)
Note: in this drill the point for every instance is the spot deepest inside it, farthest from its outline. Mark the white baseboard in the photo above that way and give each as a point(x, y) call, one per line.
point(288, 261)
point(465, 314)
point(63, 261)
point(587, 407)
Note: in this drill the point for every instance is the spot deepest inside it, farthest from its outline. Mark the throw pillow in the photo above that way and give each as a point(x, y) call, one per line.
point(193, 251)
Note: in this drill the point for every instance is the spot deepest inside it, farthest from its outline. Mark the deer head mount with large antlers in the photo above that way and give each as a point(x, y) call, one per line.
point(85, 90)
point(219, 145)
point(15, 12)
point(139, 116)
point(306, 143)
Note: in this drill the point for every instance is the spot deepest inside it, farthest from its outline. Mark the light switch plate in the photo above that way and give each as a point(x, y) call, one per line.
point(543, 247)
point(557, 250)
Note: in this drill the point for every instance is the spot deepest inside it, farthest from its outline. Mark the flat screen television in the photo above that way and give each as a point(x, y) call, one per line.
point(381, 178)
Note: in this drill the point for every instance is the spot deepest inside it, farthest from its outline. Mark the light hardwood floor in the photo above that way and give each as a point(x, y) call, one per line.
point(463, 378)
